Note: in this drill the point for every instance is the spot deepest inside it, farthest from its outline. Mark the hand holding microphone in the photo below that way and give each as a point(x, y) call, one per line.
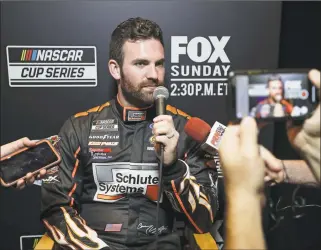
point(164, 130)
point(166, 138)
point(238, 150)
point(278, 109)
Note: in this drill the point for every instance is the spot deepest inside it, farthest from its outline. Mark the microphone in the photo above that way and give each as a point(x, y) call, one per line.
point(200, 131)
point(209, 138)
point(160, 95)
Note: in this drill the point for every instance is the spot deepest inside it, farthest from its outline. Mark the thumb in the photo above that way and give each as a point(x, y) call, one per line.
point(273, 164)
point(314, 76)
point(249, 136)
point(292, 130)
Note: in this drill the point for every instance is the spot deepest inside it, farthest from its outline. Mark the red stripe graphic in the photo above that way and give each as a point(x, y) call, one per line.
point(29, 54)
point(26, 56)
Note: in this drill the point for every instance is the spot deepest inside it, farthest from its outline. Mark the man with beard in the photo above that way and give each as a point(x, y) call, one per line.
point(274, 105)
point(105, 191)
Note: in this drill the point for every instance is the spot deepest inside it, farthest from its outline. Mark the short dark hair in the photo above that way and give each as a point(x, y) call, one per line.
point(132, 29)
point(274, 78)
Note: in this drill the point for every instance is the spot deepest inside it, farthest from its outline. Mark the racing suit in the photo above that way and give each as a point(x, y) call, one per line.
point(104, 193)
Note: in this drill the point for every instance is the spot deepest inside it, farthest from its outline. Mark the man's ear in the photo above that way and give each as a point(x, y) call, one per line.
point(114, 69)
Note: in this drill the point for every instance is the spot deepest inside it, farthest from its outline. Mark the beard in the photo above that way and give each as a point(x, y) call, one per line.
point(135, 93)
point(277, 98)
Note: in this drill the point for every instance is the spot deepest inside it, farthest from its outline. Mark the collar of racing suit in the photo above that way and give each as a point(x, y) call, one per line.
point(132, 114)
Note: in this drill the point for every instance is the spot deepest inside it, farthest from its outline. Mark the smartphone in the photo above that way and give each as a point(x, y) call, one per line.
point(28, 160)
point(271, 95)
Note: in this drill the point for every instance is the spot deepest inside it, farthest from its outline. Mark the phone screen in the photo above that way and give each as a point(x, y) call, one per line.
point(274, 95)
point(30, 160)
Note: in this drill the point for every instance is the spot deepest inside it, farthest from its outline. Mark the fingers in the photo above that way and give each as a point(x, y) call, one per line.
point(267, 178)
point(293, 133)
point(271, 162)
point(21, 184)
point(27, 142)
point(312, 125)
point(314, 76)
point(230, 141)
point(162, 128)
point(24, 142)
point(30, 178)
point(248, 137)
point(163, 118)
point(162, 139)
point(42, 173)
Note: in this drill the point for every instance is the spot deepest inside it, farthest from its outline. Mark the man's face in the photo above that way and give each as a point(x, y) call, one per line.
point(142, 70)
point(275, 89)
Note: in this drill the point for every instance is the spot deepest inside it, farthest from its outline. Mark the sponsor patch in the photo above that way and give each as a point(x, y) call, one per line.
point(51, 176)
point(104, 150)
point(136, 115)
point(100, 153)
point(109, 127)
point(117, 179)
point(113, 227)
point(103, 143)
point(104, 137)
point(51, 179)
point(101, 156)
point(104, 125)
point(104, 122)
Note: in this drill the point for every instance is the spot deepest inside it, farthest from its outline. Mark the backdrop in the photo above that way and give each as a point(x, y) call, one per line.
point(203, 42)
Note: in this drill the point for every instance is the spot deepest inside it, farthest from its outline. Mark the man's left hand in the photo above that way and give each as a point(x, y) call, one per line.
point(165, 133)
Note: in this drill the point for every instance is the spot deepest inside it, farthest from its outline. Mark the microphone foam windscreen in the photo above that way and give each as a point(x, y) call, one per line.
point(197, 129)
point(160, 91)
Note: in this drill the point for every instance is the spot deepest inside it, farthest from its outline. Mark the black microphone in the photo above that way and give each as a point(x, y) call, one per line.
point(160, 95)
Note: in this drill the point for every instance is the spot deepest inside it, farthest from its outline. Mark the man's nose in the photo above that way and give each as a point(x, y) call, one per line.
point(152, 73)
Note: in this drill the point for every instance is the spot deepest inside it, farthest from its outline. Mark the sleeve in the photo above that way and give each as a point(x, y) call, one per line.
point(59, 197)
point(190, 187)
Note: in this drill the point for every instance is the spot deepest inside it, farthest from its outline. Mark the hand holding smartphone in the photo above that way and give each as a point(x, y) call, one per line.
point(16, 165)
point(271, 95)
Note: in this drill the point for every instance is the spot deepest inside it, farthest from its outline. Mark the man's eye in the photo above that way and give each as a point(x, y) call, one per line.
point(160, 64)
point(140, 64)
